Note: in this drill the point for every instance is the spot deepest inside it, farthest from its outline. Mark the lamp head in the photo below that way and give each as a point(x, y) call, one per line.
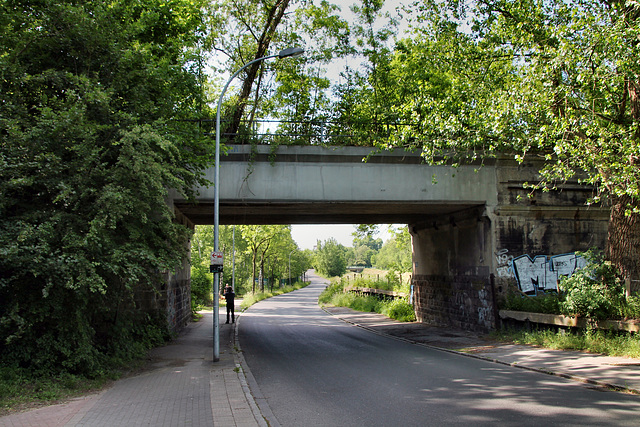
point(290, 52)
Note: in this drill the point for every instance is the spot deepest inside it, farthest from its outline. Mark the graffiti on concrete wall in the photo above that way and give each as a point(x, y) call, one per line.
point(543, 272)
point(503, 261)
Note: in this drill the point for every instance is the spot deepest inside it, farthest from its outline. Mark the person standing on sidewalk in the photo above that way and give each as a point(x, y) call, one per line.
point(229, 297)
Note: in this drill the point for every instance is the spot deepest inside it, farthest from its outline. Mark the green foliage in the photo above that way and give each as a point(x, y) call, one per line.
point(549, 303)
point(398, 309)
point(260, 251)
point(249, 29)
point(201, 286)
point(396, 253)
point(335, 288)
point(596, 291)
point(89, 145)
point(18, 388)
point(365, 247)
point(390, 282)
point(608, 343)
point(367, 304)
point(330, 258)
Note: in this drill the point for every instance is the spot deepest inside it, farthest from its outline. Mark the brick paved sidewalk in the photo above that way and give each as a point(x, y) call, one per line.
point(181, 386)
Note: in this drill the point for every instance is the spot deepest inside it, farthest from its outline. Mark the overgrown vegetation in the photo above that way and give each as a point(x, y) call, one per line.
point(19, 389)
point(594, 341)
point(266, 252)
point(90, 140)
point(397, 308)
point(596, 292)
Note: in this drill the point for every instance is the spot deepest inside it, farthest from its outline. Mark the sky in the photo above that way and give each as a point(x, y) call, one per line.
point(306, 236)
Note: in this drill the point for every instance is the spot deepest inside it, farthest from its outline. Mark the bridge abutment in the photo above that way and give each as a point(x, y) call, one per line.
point(463, 262)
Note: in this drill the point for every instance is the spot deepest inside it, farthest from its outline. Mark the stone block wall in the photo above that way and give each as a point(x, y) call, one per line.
point(463, 302)
point(177, 300)
point(169, 297)
point(173, 299)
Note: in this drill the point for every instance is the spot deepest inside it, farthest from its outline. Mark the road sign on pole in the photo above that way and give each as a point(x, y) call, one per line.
point(217, 262)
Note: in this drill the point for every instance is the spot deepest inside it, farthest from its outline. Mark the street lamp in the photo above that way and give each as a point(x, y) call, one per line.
point(286, 53)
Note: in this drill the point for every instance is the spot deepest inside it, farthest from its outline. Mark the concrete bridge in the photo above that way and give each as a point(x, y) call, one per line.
point(320, 185)
point(467, 223)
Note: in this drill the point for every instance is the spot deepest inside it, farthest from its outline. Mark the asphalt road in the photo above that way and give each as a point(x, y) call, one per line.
point(315, 370)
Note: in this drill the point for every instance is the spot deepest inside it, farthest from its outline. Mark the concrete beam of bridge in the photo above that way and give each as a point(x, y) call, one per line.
point(325, 185)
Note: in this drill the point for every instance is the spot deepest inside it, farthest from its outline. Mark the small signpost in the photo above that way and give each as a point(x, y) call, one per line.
point(217, 262)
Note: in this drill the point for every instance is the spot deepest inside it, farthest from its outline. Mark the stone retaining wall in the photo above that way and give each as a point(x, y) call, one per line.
point(464, 302)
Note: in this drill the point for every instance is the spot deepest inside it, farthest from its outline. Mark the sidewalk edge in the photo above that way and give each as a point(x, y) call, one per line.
point(607, 385)
point(259, 405)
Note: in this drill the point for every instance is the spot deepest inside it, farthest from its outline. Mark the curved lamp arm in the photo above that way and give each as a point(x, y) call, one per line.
point(285, 53)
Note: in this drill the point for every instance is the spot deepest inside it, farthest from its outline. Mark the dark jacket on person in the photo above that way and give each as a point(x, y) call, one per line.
point(229, 295)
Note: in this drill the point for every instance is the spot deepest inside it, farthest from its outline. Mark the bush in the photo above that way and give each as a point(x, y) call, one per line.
point(596, 291)
point(366, 304)
point(201, 286)
point(327, 295)
point(398, 309)
point(391, 282)
point(547, 303)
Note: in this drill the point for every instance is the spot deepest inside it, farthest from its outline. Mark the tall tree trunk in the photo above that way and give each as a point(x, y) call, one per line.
point(253, 276)
point(262, 274)
point(623, 244)
point(274, 16)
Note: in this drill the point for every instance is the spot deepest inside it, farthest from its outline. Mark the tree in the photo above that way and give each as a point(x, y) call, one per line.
point(396, 253)
point(260, 250)
point(556, 79)
point(248, 29)
point(364, 249)
point(260, 20)
point(89, 144)
point(202, 244)
point(362, 231)
point(259, 239)
point(330, 258)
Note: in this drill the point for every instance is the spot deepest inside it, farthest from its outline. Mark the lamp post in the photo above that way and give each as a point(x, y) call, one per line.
point(286, 53)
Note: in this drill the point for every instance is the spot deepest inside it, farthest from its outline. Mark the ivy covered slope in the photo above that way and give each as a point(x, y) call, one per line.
point(89, 143)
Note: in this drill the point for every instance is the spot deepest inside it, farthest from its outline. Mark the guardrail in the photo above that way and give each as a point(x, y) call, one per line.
point(377, 292)
point(566, 321)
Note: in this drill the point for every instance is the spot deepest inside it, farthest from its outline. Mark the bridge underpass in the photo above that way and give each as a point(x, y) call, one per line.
point(314, 212)
point(464, 221)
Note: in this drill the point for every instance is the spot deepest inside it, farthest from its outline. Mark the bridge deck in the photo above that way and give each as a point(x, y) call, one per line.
point(324, 185)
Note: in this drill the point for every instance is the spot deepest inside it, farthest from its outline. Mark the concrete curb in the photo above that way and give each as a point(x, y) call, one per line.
point(256, 399)
point(604, 384)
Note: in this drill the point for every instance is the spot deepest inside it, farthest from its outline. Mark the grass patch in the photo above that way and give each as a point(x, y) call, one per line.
point(398, 309)
point(249, 298)
point(22, 390)
point(609, 343)
point(545, 303)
